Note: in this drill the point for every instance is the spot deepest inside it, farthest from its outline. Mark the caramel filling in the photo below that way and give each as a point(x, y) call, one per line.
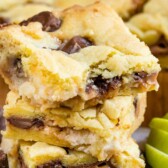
point(102, 86)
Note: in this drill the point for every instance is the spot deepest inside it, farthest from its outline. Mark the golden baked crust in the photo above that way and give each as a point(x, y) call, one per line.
point(109, 62)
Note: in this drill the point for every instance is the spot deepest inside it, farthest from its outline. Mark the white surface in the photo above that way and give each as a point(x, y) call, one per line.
point(141, 136)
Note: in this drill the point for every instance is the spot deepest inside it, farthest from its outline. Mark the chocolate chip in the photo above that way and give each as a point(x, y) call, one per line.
point(20, 122)
point(25, 123)
point(58, 164)
point(18, 68)
point(38, 123)
point(21, 162)
point(140, 76)
point(51, 164)
point(115, 82)
point(47, 19)
point(104, 85)
point(3, 20)
point(3, 160)
point(162, 44)
point(138, 5)
point(135, 102)
point(106, 164)
point(160, 48)
point(2, 122)
point(75, 44)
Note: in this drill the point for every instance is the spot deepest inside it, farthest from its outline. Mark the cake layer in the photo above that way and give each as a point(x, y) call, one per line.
point(42, 155)
point(120, 112)
point(81, 140)
point(97, 131)
point(56, 57)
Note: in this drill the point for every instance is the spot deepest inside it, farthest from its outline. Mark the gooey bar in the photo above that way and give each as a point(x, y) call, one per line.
point(76, 57)
point(28, 154)
point(99, 131)
point(151, 27)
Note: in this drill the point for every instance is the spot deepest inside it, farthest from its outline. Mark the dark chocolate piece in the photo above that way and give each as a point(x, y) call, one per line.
point(47, 19)
point(21, 162)
point(58, 164)
point(3, 160)
point(136, 106)
point(107, 163)
point(75, 44)
point(144, 77)
point(51, 164)
point(4, 20)
point(104, 85)
point(135, 102)
point(138, 5)
point(2, 122)
point(140, 76)
point(18, 68)
point(38, 123)
point(25, 123)
point(160, 48)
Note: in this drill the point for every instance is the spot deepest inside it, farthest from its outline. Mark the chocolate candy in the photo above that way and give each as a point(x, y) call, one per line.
point(160, 48)
point(3, 20)
point(2, 122)
point(47, 19)
point(25, 123)
point(3, 160)
point(140, 76)
point(103, 85)
point(17, 68)
point(75, 44)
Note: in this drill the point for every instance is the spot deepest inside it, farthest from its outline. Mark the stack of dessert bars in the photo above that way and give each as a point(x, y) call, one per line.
point(78, 81)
